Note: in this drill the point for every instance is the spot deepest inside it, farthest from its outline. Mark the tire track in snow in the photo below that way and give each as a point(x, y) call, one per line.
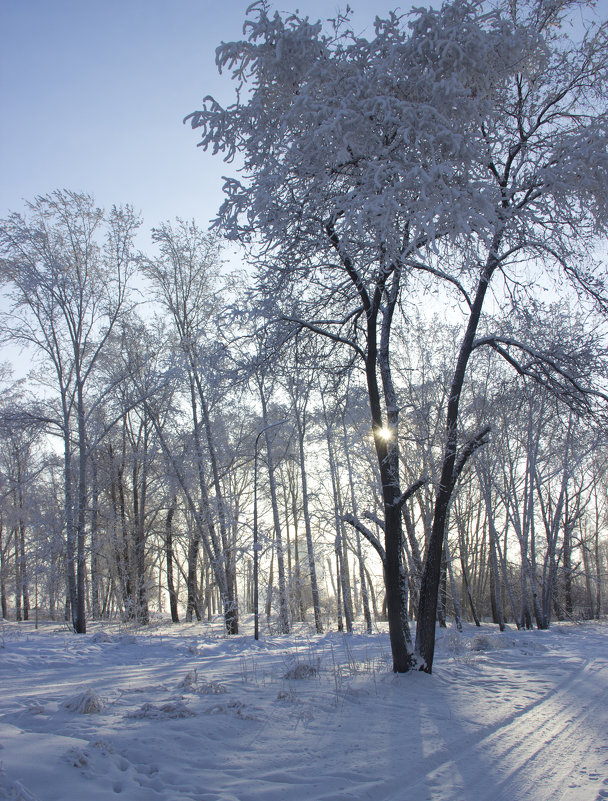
point(551, 750)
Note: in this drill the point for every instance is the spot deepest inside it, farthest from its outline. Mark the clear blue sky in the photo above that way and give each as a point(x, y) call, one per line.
point(93, 95)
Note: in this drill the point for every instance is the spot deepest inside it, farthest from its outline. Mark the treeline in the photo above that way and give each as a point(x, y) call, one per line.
point(169, 423)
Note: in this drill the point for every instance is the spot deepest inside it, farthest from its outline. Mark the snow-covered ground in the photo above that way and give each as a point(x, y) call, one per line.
point(182, 712)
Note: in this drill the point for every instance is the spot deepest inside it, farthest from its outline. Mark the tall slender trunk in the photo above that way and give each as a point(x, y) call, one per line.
point(283, 600)
point(429, 587)
point(494, 551)
point(140, 493)
point(301, 422)
point(455, 601)
point(339, 606)
point(169, 560)
point(18, 612)
point(70, 532)
point(95, 545)
point(353, 500)
point(343, 582)
point(192, 602)
point(81, 565)
point(23, 572)
point(3, 598)
point(204, 519)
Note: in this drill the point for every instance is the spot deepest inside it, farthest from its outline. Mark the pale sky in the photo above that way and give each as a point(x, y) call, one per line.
point(93, 95)
point(94, 92)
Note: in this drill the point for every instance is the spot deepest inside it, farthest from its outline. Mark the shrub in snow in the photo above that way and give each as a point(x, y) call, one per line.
point(481, 642)
point(303, 670)
point(101, 636)
point(85, 703)
point(189, 680)
point(237, 708)
point(173, 709)
point(103, 746)
point(212, 688)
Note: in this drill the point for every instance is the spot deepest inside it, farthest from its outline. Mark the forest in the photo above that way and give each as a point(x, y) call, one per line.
point(389, 405)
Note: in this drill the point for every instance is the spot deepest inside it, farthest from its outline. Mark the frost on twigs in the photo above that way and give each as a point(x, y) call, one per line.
point(372, 137)
point(85, 703)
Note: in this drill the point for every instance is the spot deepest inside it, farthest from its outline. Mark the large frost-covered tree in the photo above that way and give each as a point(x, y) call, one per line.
point(452, 146)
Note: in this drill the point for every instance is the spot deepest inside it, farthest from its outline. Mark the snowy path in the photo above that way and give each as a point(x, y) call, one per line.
point(524, 718)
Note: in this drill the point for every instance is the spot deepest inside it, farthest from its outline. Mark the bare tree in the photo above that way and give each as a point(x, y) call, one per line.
point(65, 267)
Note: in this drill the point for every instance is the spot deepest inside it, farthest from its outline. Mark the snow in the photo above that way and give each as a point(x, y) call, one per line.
point(184, 712)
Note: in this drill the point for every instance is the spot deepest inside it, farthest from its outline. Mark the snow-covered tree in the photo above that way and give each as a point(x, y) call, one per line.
point(65, 267)
point(452, 147)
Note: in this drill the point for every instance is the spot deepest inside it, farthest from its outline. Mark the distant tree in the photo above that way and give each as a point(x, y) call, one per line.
point(185, 281)
point(65, 266)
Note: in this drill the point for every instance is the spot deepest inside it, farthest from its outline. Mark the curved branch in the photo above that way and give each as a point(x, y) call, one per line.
point(405, 496)
point(369, 536)
point(323, 332)
point(426, 268)
point(468, 449)
point(497, 343)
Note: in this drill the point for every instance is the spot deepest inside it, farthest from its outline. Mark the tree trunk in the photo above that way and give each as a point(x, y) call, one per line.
point(95, 545)
point(283, 601)
point(81, 565)
point(18, 613)
point(191, 584)
point(429, 588)
point(169, 560)
point(342, 578)
point(455, 602)
point(362, 580)
point(312, 570)
point(3, 598)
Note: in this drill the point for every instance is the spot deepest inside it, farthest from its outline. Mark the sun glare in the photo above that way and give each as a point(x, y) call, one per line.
point(384, 433)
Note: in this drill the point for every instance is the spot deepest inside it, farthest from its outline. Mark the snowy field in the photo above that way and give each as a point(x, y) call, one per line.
point(182, 712)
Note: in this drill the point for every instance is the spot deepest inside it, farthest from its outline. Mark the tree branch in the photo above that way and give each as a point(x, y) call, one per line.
point(444, 276)
point(369, 536)
point(539, 359)
point(323, 332)
point(405, 496)
point(468, 449)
